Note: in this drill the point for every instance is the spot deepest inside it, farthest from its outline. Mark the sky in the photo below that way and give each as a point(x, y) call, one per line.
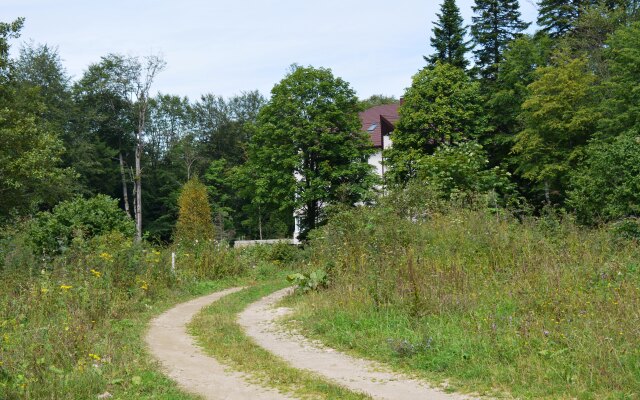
point(226, 47)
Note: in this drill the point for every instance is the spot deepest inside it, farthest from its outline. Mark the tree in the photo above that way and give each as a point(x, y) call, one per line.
point(376, 100)
point(559, 117)
point(606, 186)
point(496, 23)
point(308, 151)
point(621, 107)
point(30, 165)
point(558, 17)
point(448, 37)
point(442, 106)
point(518, 69)
point(194, 214)
point(146, 73)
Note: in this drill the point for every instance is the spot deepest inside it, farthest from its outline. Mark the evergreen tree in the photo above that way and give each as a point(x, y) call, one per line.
point(496, 23)
point(556, 17)
point(448, 37)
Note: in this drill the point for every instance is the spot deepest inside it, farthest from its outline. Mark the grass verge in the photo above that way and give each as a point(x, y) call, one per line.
point(219, 334)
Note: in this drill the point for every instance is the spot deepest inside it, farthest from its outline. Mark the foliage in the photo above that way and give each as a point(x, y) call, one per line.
point(194, 214)
point(308, 151)
point(376, 100)
point(606, 186)
point(305, 282)
point(621, 106)
point(495, 24)
point(558, 119)
point(441, 106)
point(556, 17)
point(72, 325)
point(449, 37)
point(456, 170)
point(517, 71)
point(540, 308)
point(52, 232)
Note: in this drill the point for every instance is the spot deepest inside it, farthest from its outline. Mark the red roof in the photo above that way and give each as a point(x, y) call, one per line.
point(379, 121)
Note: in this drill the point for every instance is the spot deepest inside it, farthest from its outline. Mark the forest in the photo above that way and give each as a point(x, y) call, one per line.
point(510, 204)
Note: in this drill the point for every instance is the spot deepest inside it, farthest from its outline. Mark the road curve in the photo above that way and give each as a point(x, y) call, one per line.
point(184, 361)
point(363, 376)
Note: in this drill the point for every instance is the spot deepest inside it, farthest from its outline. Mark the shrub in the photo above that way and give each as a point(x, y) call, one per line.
point(52, 232)
point(194, 215)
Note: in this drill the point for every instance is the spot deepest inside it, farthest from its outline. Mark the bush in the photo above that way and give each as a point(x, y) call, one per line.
point(52, 232)
point(194, 215)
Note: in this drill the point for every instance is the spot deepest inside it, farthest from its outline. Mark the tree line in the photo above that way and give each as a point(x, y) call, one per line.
point(543, 119)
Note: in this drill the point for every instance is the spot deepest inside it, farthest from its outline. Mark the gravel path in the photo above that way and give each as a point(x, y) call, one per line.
point(185, 362)
point(368, 377)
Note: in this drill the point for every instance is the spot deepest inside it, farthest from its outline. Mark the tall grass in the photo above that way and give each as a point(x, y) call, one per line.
point(538, 307)
point(71, 324)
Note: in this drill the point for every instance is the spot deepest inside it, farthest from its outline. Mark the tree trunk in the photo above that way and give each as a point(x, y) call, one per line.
point(125, 192)
point(138, 187)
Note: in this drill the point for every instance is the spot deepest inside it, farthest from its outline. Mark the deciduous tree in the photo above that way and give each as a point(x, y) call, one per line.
point(308, 149)
point(442, 106)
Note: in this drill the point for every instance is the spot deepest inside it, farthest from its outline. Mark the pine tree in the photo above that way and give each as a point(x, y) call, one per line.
point(556, 17)
point(448, 37)
point(496, 23)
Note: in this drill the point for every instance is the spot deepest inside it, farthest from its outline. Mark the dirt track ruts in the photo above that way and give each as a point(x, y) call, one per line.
point(184, 361)
point(363, 376)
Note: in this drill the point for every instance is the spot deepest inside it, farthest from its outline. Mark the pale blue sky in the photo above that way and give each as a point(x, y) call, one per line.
point(224, 47)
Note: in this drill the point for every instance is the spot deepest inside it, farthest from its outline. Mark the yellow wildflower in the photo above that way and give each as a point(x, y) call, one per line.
point(106, 256)
point(144, 285)
point(95, 273)
point(94, 356)
point(65, 287)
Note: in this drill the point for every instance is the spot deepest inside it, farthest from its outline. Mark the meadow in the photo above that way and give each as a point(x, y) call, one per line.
point(480, 300)
point(72, 324)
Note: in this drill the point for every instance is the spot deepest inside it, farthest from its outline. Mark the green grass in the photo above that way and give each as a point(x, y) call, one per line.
point(532, 309)
point(218, 332)
point(72, 325)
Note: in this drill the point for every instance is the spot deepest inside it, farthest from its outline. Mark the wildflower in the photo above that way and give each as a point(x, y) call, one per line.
point(106, 256)
point(94, 356)
point(65, 287)
point(144, 285)
point(95, 273)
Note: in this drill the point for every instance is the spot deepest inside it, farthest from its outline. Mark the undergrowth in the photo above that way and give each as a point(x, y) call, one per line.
point(534, 307)
point(71, 322)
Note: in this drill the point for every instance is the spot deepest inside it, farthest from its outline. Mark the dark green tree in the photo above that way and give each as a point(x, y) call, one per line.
point(308, 151)
point(557, 17)
point(442, 106)
point(495, 24)
point(449, 37)
point(31, 173)
point(606, 186)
